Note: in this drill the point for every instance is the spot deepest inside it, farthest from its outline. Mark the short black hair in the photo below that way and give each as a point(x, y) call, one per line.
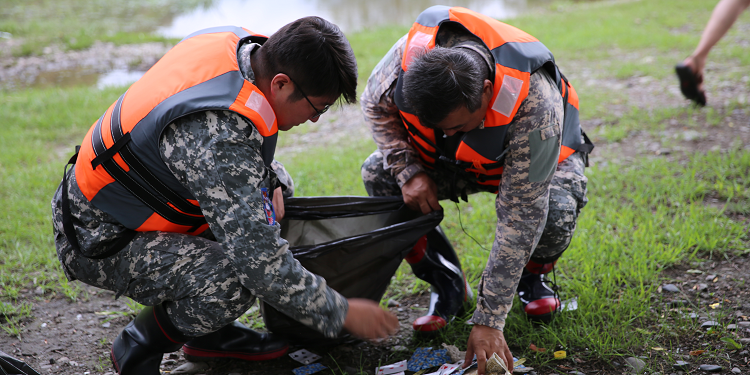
point(441, 81)
point(314, 53)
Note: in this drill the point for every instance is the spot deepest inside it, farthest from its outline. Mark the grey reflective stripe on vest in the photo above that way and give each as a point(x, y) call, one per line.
point(240, 32)
point(522, 56)
point(434, 15)
point(571, 134)
point(488, 142)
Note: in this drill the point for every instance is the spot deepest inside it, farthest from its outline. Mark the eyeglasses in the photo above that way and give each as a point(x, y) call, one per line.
point(319, 112)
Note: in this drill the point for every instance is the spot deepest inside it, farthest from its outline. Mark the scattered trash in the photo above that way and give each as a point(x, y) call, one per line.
point(447, 369)
point(309, 369)
point(560, 354)
point(496, 366)
point(714, 305)
point(424, 358)
point(455, 354)
point(392, 368)
point(569, 305)
point(694, 271)
point(304, 356)
point(534, 348)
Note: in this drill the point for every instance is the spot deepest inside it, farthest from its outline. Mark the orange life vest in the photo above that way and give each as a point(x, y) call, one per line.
point(517, 55)
point(119, 167)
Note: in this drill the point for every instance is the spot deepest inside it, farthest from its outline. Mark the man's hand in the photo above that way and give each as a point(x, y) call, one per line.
point(483, 341)
point(420, 193)
point(367, 320)
point(278, 203)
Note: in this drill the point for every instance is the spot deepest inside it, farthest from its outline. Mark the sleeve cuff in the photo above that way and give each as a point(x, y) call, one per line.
point(407, 173)
point(487, 319)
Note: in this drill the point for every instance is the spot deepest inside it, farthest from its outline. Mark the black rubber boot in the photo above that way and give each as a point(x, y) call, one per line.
point(540, 302)
point(434, 260)
point(139, 348)
point(235, 341)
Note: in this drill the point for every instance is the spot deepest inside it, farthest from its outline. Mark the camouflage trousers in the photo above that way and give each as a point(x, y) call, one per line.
point(189, 275)
point(567, 197)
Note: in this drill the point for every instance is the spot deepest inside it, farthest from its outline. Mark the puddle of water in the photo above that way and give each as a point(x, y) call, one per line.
point(119, 77)
point(350, 15)
point(266, 17)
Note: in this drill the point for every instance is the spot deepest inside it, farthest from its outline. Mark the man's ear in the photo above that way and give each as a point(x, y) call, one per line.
point(487, 91)
point(281, 86)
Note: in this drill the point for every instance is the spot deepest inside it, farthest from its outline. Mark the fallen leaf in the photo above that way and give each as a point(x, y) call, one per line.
point(716, 279)
point(697, 352)
point(694, 271)
point(642, 331)
point(535, 349)
point(563, 367)
point(579, 360)
point(658, 348)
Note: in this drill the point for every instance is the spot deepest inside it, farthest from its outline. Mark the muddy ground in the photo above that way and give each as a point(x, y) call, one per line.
point(65, 337)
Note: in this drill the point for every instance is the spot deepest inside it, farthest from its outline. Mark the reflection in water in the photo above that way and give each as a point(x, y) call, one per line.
point(179, 18)
point(351, 15)
point(119, 77)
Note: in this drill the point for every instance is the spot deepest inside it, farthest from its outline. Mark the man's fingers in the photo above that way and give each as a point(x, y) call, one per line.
point(481, 362)
point(433, 202)
point(468, 358)
point(425, 207)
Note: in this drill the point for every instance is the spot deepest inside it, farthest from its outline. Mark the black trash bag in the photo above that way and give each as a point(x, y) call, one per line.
point(12, 366)
point(355, 243)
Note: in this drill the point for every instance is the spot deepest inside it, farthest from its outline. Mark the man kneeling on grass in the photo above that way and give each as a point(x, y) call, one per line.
point(465, 104)
point(175, 196)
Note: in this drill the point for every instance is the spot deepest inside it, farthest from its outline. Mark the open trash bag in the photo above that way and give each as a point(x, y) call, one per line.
point(355, 243)
point(13, 366)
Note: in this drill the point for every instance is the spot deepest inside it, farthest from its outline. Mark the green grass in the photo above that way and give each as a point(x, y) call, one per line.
point(75, 24)
point(641, 218)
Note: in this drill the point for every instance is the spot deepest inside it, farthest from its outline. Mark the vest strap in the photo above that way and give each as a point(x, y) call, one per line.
point(111, 152)
point(148, 198)
point(68, 229)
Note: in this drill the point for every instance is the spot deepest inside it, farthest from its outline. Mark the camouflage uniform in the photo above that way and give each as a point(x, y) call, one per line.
point(206, 281)
point(523, 207)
